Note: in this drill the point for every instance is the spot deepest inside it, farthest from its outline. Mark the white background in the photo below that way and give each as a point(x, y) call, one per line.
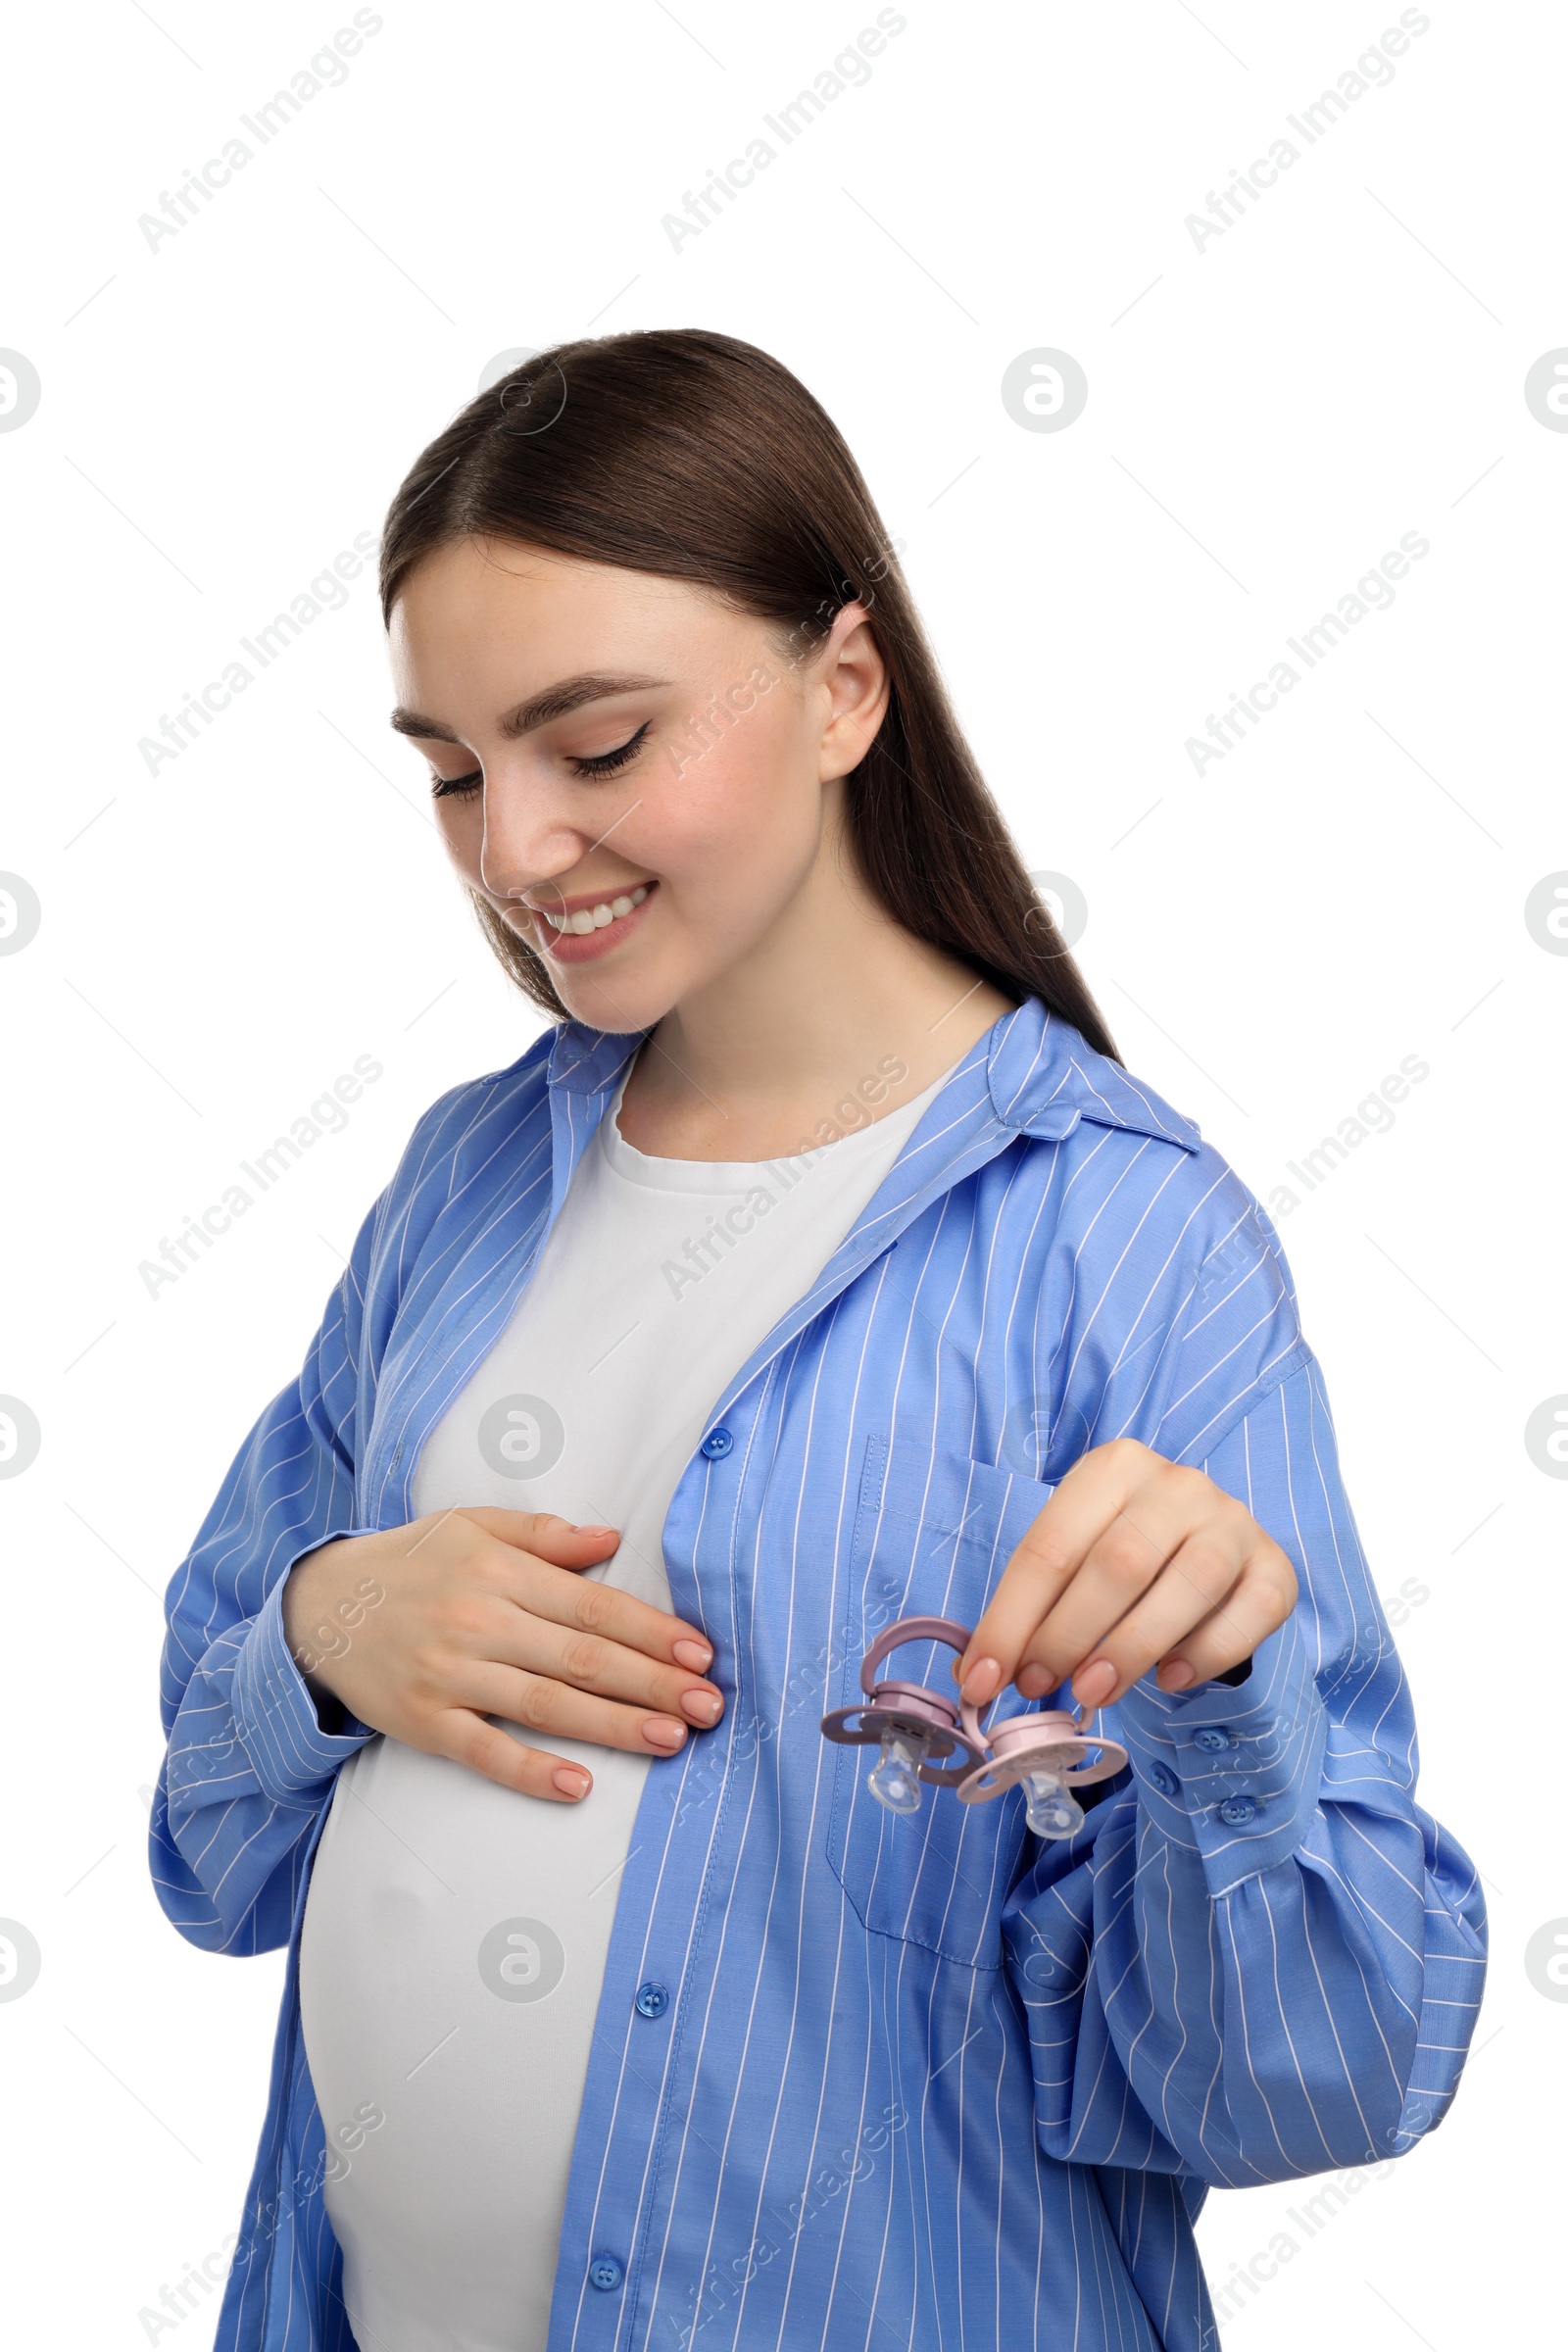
point(1266, 415)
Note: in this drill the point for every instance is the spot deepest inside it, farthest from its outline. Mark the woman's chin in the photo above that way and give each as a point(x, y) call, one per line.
point(623, 1001)
point(641, 979)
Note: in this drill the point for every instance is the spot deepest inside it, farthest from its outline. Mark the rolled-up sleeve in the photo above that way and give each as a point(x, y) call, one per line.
point(249, 1765)
point(1262, 1958)
point(1233, 1774)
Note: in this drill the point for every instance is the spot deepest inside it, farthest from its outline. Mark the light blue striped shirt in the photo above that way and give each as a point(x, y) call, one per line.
point(921, 2081)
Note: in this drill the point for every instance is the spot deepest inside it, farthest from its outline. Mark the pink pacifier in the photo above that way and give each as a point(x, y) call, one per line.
point(1046, 1750)
point(912, 1724)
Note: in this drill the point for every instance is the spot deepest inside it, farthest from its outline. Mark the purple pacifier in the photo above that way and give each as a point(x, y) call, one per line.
point(911, 1723)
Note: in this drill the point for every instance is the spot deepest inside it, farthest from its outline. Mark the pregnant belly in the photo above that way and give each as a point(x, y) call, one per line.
point(451, 1959)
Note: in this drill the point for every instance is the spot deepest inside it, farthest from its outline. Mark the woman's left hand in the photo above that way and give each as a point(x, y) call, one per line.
point(1134, 1561)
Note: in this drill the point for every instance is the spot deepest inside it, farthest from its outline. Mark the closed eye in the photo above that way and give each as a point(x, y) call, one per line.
point(600, 763)
point(608, 763)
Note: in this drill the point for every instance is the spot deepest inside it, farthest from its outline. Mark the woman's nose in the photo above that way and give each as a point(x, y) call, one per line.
point(526, 842)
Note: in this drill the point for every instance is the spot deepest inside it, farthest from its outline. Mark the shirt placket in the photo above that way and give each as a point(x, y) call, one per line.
point(636, 2135)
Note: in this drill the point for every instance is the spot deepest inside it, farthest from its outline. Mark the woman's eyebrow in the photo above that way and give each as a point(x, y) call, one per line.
point(553, 701)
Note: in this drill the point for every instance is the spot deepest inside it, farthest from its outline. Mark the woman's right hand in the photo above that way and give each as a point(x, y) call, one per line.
point(424, 1631)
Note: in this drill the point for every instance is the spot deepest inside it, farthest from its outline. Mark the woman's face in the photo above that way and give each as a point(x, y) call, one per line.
point(640, 782)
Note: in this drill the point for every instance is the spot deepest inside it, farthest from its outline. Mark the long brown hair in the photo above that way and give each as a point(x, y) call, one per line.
point(700, 458)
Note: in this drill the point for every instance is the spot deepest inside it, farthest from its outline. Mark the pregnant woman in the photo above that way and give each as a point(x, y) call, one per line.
point(820, 1264)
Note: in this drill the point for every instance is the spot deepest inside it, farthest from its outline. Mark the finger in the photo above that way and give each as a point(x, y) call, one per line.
point(542, 1705)
point(547, 1535)
point(1049, 1557)
point(1195, 1582)
point(1130, 1560)
point(468, 1739)
point(597, 1608)
point(570, 1652)
point(1256, 1607)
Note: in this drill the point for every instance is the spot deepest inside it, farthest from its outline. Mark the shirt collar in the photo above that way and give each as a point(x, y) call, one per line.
point(1042, 1074)
point(1045, 1076)
point(589, 1062)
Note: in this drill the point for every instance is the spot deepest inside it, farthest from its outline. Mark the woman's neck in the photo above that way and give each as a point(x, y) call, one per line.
point(838, 1000)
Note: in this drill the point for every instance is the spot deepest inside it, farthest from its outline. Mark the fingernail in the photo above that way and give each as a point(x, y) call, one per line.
point(571, 1782)
point(703, 1706)
point(664, 1732)
point(1094, 1683)
point(1177, 1676)
point(696, 1654)
point(982, 1682)
point(1033, 1681)
point(595, 1531)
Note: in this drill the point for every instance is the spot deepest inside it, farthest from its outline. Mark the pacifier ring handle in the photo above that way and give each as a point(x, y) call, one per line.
point(969, 1716)
point(911, 1628)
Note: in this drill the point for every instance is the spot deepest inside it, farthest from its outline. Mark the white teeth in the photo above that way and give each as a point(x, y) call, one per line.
point(594, 919)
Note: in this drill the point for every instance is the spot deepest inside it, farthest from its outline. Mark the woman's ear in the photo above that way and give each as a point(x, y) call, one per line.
point(855, 677)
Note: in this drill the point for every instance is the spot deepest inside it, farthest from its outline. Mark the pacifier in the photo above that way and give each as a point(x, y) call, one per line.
point(1049, 1753)
point(912, 1723)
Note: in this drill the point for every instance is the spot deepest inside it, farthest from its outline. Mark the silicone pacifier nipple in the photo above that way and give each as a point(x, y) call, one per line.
point(1048, 1808)
point(893, 1780)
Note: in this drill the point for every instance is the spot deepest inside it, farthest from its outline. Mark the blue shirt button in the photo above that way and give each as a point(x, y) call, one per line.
point(652, 2000)
point(1164, 1781)
point(1236, 1809)
point(717, 1444)
point(605, 2273)
point(1211, 1740)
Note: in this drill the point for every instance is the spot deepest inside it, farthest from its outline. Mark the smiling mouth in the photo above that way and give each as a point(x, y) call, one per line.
point(582, 929)
point(596, 916)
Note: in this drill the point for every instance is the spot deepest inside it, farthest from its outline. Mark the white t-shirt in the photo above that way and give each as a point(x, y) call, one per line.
point(455, 1933)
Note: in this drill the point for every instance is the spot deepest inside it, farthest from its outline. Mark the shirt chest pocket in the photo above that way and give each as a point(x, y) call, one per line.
point(932, 1533)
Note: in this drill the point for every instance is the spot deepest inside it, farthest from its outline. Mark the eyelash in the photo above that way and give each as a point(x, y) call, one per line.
point(606, 763)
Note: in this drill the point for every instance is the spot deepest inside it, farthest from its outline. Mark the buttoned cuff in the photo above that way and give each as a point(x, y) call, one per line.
point(1232, 1773)
point(274, 1714)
